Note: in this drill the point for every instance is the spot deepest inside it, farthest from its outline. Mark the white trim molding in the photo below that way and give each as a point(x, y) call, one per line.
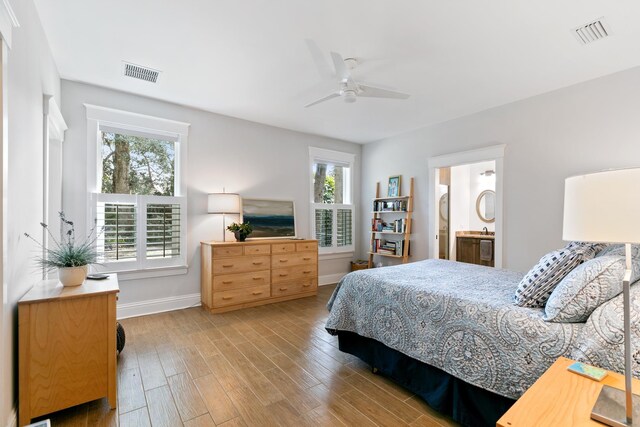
point(8, 21)
point(160, 305)
point(13, 418)
point(330, 279)
point(493, 152)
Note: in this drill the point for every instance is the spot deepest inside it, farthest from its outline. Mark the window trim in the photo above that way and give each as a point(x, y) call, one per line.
point(177, 131)
point(335, 157)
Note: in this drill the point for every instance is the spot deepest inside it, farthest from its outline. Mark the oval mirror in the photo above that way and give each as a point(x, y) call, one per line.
point(486, 206)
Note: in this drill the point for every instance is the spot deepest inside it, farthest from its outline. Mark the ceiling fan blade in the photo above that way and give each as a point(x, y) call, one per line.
point(323, 99)
point(342, 72)
point(322, 65)
point(376, 92)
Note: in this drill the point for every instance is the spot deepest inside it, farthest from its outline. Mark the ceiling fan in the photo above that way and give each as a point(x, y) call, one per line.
point(349, 89)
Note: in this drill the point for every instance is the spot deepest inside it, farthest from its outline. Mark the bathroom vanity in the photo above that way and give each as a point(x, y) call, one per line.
point(476, 247)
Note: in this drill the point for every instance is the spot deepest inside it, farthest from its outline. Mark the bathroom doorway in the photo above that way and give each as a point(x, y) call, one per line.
point(466, 203)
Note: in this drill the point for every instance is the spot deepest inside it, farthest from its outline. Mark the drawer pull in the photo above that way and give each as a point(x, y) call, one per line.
point(284, 260)
point(257, 262)
point(227, 298)
point(257, 278)
point(257, 293)
point(306, 286)
point(284, 274)
point(306, 272)
point(283, 289)
point(227, 265)
point(306, 258)
point(227, 282)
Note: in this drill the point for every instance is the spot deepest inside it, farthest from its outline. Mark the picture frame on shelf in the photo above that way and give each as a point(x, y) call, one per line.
point(394, 186)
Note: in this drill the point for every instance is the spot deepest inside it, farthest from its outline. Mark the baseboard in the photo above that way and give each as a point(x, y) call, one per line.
point(330, 279)
point(13, 418)
point(143, 308)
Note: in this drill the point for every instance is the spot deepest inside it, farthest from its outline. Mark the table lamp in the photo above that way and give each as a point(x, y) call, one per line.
point(604, 207)
point(223, 204)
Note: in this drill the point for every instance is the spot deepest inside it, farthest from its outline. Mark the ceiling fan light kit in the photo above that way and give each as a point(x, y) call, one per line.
point(350, 90)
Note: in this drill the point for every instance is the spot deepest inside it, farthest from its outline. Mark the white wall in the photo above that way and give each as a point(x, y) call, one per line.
point(244, 157)
point(582, 128)
point(31, 74)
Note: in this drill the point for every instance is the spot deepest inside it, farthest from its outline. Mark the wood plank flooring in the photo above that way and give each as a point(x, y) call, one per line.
point(273, 365)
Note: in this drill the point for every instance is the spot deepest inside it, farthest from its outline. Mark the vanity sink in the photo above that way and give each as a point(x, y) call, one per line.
point(476, 234)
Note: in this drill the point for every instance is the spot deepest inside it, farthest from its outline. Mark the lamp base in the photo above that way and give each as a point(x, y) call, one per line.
point(610, 408)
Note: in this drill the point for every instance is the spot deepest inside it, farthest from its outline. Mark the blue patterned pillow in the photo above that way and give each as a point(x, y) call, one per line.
point(586, 287)
point(618, 250)
point(536, 286)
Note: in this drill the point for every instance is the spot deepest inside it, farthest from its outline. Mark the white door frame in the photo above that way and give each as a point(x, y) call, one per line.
point(495, 153)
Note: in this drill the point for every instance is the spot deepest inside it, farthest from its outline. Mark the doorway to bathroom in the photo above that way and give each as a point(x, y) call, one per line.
point(466, 206)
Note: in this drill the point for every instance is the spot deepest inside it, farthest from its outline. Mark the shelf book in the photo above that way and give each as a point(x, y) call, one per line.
point(391, 226)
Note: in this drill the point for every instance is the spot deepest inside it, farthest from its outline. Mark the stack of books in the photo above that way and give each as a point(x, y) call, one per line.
point(389, 205)
point(388, 247)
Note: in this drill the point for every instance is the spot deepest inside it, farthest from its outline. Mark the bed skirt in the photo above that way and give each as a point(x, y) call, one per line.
point(465, 403)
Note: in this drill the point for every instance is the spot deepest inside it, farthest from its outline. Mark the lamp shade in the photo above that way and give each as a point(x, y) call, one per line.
point(603, 207)
point(224, 203)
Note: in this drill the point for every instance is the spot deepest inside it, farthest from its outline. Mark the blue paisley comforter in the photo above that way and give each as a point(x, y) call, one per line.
point(454, 316)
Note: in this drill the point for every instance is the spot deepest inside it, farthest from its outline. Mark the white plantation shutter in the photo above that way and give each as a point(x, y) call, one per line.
point(118, 222)
point(324, 227)
point(345, 227)
point(140, 231)
point(163, 230)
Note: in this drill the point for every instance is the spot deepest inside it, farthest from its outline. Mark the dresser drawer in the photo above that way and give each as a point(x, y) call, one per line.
point(296, 258)
point(241, 280)
point(242, 295)
point(257, 250)
point(308, 246)
point(241, 264)
point(227, 251)
point(281, 248)
point(299, 287)
point(297, 272)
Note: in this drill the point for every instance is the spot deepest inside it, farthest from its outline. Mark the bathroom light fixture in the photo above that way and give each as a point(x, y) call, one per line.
point(488, 172)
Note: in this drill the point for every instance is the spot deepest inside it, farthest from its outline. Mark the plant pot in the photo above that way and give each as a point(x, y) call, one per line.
point(240, 237)
point(72, 276)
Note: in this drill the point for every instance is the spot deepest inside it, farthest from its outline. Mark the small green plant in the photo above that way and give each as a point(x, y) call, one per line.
point(65, 252)
point(243, 228)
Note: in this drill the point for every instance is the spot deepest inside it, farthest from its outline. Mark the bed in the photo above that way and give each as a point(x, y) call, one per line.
point(449, 332)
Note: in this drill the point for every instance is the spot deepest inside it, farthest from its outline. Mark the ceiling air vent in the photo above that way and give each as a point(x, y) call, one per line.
point(140, 72)
point(588, 33)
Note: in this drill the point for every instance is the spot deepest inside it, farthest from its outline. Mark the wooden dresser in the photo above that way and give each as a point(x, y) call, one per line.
point(67, 346)
point(246, 274)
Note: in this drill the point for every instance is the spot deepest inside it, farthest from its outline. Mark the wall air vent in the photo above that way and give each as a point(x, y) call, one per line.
point(588, 33)
point(140, 72)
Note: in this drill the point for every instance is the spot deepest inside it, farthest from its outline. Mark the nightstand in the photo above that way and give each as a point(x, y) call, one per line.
point(560, 398)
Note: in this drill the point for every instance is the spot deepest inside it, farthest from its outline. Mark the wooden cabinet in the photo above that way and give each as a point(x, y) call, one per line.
point(561, 398)
point(245, 274)
point(468, 250)
point(67, 346)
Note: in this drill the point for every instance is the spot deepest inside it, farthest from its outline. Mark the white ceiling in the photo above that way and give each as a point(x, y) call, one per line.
point(249, 59)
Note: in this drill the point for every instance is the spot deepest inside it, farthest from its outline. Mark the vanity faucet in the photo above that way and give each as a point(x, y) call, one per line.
point(485, 231)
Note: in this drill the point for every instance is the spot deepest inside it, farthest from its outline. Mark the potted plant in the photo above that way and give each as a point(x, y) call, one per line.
point(241, 231)
point(71, 258)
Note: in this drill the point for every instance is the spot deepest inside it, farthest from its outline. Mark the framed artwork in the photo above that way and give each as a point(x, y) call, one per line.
point(271, 219)
point(394, 186)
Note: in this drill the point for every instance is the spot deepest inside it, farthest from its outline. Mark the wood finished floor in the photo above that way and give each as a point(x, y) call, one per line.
point(266, 366)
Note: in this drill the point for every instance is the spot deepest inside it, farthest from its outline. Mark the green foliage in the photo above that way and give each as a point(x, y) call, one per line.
point(328, 195)
point(148, 163)
point(65, 252)
point(243, 228)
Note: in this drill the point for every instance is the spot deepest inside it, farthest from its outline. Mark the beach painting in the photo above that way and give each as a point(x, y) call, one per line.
point(270, 218)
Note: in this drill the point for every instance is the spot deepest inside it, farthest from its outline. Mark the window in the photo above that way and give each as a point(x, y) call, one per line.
point(331, 200)
point(138, 195)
